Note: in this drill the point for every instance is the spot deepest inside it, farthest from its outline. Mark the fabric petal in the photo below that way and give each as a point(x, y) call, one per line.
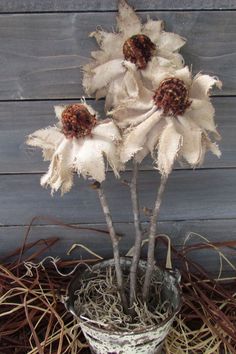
point(131, 117)
point(133, 102)
point(171, 41)
point(175, 59)
point(169, 144)
point(107, 130)
point(135, 138)
point(133, 94)
point(47, 139)
point(202, 84)
point(132, 82)
point(157, 68)
point(213, 147)
point(110, 138)
point(89, 161)
point(151, 142)
point(127, 20)
point(153, 29)
point(134, 88)
point(102, 75)
point(99, 56)
point(125, 86)
point(185, 75)
point(89, 108)
point(141, 154)
point(58, 111)
point(112, 153)
point(161, 74)
point(191, 148)
point(202, 113)
point(115, 94)
point(60, 172)
point(101, 93)
point(110, 42)
point(87, 80)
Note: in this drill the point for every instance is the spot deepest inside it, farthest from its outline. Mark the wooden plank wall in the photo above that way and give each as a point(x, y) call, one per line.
point(43, 44)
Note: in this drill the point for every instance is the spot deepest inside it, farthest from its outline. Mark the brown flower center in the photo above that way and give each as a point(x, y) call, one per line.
point(139, 50)
point(172, 97)
point(77, 121)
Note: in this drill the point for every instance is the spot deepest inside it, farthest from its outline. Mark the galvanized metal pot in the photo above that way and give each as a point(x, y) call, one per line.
point(148, 341)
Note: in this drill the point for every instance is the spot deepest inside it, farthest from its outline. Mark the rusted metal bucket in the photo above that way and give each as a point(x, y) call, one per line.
point(148, 341)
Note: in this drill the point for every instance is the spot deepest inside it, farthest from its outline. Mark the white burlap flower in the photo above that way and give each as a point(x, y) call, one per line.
point(172, 121)
point(147, 45)
point(78, 143)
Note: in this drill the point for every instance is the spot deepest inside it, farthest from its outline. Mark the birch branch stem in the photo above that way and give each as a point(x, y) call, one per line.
point(138, 234)
point(151, 241)
point(115, 246)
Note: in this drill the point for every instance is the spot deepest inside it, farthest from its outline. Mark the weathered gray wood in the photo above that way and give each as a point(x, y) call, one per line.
point(213, 230)
point(18, 119)
point(103, 5)
point(202, 194)
point(12, 237)
point(41, 57)
point(41, 54)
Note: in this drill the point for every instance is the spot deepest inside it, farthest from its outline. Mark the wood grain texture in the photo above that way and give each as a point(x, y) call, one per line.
point(18, 119)
point(111, 5)
point(200, 194)
point(215, 230)
point(41, 54)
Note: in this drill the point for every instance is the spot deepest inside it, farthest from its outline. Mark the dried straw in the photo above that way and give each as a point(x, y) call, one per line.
point(207, 322)
point(32, 318)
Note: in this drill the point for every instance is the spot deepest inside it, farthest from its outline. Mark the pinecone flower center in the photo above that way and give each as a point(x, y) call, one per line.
point(139, 49)
point(172, 97)
point(77, 121)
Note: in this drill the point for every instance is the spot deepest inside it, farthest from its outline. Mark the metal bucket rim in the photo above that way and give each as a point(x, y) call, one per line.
point(147, 328)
